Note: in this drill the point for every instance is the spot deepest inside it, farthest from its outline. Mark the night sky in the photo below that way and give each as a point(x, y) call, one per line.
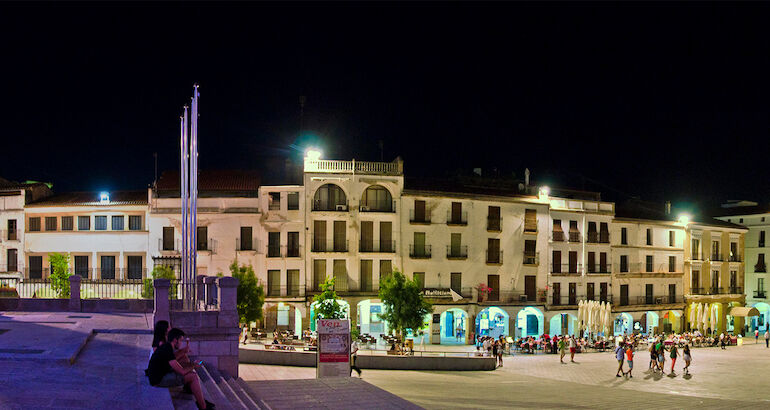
point(654, 100)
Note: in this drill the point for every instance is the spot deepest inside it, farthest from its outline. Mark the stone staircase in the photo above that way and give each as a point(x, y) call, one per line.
point(221, 389)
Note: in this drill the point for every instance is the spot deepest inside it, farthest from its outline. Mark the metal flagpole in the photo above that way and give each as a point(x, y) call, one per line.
point(183, 195)
point(194, 187)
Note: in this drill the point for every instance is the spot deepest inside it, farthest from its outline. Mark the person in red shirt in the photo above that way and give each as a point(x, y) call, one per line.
point(629, 359)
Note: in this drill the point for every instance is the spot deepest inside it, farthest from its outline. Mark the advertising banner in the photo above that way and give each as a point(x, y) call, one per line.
point(333, 348)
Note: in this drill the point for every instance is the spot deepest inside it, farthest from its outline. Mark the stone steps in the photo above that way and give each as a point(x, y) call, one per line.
point(221, 389)
point(225, 388)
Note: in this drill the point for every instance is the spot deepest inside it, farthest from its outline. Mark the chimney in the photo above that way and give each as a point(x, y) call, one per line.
point(668, 207)
point(526, 177)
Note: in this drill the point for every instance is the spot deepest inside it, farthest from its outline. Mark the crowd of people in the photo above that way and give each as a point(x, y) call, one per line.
point(491, 347)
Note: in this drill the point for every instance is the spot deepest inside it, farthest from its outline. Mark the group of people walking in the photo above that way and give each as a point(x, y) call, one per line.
point(624, 352)
point(492, 347)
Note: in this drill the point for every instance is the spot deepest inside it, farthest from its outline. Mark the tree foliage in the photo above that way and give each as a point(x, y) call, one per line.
point(160, 272)
point(405, 307)
point(326, 305)
point(251, 294)
point(60, 275)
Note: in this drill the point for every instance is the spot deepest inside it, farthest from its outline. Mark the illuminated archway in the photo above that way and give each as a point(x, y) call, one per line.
point(492, 321)
point(761, 322)
point(650, 320)
point(368, 318)
point(623, 324)
point(531, 321)
point(563, 324)
point(454, 326)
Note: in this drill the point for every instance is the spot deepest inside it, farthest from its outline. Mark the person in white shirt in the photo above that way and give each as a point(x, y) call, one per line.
point(487, 346)
point(353, 355)
point(572, 349)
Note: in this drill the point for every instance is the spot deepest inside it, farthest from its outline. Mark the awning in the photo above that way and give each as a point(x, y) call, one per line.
point(742, 311)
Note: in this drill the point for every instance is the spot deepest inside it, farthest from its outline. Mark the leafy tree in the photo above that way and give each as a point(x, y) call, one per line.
point(251, 294)
point(405, 307)
point(160, 272)
point(326, 305)
point(60, 282)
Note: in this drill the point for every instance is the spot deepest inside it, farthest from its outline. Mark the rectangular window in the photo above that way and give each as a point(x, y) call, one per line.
point(386, 269)
point(456, 215)
point(419, 214)
point(573, 264)
point(649, 236)
point(275, 201)
point(81, 265)
point(340, 236)
point(100, 222)
point(604, 232)
point(624, 263)
point(695, 249)
point(530, 252)
point(319, 236)
point(593, 235)
point(419, 277)
point(36, 267)
point(734, 282)
point(648, 295)
point(135, 222)
point(624, 295)
point(292, 199)
point(493, 218)
point(12, 230)
point(558, 233)
point(34, 224)
point(455, 245)
point(672, 293)
point(671, 238)
point(624, 236)
point(603, 268)
point(366, 275)
point(572, 289)
point(273, 244)
point(202, 238)
point(494, 255)
point(761, 284)
point(715, 255)
point(493, 281)
point(135, 268)
point(292, 245)
point(648, 263)
point(530, 220)
point(367, 236)
point(556, 262)
point(557, 294)
point(12, 259)
point(715, 282)
point(319, 273)
point(246, 242)
point(107, 266)
point(672, 263)
point(574, 233)
point(456, 282)
point(66, 223)
point(760, 266)
point(117, 223)
point(340, 271)
point(273, 282)
point(419, 249)
point(591, 268)
point(761, 239)
point(590, 291)
point(734, 256)
point(695, 282)
point(168, 238)
point(530, 287)
point(84, 223)
point(292, 282)
point(50, 223)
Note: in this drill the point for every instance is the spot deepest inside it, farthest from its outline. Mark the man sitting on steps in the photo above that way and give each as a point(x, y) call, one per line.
point(165, 371)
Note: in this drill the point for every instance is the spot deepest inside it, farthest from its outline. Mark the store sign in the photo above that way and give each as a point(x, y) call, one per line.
point(437, 293)
point(333, 348)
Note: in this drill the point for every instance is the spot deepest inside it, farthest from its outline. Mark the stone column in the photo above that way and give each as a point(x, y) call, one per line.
point(227, 297)
point(74, 293)
point(200, 290)
point(161, 311)
point(208, 284)
point(227, 324)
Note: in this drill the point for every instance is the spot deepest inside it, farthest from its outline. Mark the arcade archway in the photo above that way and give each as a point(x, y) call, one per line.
point(531, 321)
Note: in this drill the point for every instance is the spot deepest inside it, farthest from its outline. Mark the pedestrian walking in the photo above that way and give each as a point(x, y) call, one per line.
point(756, 336)
point(653, 358)
point(687, 358)
point(661, 357)
point(500, 348)
point(722, 340)
point(572, 349)
point(353, 355)
point(767, 338)
point(673, 354)
point(562, 349)
point(630, 359)
point(619, 353)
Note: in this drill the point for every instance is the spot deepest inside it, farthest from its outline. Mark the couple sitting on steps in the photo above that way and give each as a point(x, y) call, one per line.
point(169, 365)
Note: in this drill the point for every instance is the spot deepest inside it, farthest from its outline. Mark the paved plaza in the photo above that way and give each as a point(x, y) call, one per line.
point(732, 378)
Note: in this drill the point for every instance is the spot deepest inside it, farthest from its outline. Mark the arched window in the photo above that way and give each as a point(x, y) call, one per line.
point(376, 199)
point(330, 197)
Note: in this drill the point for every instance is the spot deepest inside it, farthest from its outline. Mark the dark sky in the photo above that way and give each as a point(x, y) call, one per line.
point(658, 100)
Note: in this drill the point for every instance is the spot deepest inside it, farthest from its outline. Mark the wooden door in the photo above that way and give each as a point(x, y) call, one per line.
point(457, 212)
point(556, 262)
point(367, 233)
point(624, 295)
point(319, 236)
point(530, 287)
point(590, 291)
point(493, 281)
point(603, 262)
point(341, 236)
point(386, 237)
point(557, 294)
point(419, 210)
point(603, 292)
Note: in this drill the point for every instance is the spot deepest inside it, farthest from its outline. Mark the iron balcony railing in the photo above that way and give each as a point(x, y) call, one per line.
point(760, 294)
point(206, 244)
point(329, 206)
point(293, 251)
point(246, 245)
point(372, 246)
point(717, 257)
point(598, 237)
point(657, 299)
point(599, 268)
point(11, 267)
point(273, 250)
point(558, 236)
point(457, 219)
point(531, 258)
point(574, 236)
point(565, 300)
point(377, 206)
point(419, 252)
point(643, 267)
point(698, 291)
point(760, 268)
point(735, 258)
point(419, 219)
point(283, 251)
point(735, 290)
point(174, 245)
point(334, 245)
point(494, 256)
point(597, 296)
point(277, 290)
point(494, 223)
point(457, 252)
point(569, 268)
point(36, 273)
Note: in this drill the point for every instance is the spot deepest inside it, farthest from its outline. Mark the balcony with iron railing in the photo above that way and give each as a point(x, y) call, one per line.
point(760, 268)
point(247, 245)
point(494, 257)
point(565, 268)
point(378, 206)
point(324, 245)
point(574, 236)
point(598, 237)
point(372, 246)
point(494, 224)
point(10, 268)
point(9, 235)
point(289, 291)
point(643, 267)
point(273, 250)
point(172, 245)
point(419, 252)
point(457, 252)
point(717, 257)
point(599, 268)
point(735, 258)
point(731, 290)
point(760, 294)
point(206, 244)
point(530, 225)
point(354, 167)
point(645, 300)
point(424, 218)
point(460, 218)
point(565, 300)
point(329, 206)
point(558, 236)
point(531, 258)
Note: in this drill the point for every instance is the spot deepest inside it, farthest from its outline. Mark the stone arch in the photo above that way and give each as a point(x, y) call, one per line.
point(328, 197)
point(531, 321)
point(376, 198)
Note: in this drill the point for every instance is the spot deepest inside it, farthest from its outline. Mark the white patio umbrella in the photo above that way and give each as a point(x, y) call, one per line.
point(705, 317)
point(606, 319)
point(580, 315)
point(691, 314)
point(699, 317)
point(714, 323)
point(595, 317)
